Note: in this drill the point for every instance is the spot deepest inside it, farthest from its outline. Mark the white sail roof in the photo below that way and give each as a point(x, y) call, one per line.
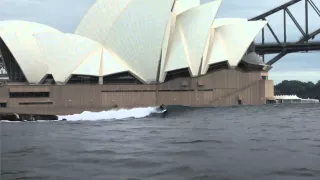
point(91, 65)
point(102, 62)
point(230, 41)
point(136, 35)
point(64, 52)
point(216, 45)
point(18, 36)
point(190, 37)
point(181, 6)
point(101, 16)
point(69, 54)
point(225, 21)
point(24, 27)
point(167, 45)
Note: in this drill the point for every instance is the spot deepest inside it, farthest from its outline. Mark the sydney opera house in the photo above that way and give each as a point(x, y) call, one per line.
point(133, 53)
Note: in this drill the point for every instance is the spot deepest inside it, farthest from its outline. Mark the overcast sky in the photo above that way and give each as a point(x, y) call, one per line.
point(65, 15)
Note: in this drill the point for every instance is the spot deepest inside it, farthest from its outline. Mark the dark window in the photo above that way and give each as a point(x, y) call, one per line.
point(79, 79)
point(35, 103)
point(176, 90)
point(29, 94)
point(177, 74)
point(270, 101)
point(242, 65)
point(49, 79)
point(13, 69)
point(121, 78)
point(206, 90)
point(128, 91)
point(3, 105)
point(265, 77)
point(218, 66)
point(249, 67)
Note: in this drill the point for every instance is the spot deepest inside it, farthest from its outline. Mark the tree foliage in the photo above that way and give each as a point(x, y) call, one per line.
point(301, 89)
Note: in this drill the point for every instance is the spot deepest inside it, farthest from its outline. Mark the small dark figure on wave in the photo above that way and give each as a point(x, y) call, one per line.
point(162, 107)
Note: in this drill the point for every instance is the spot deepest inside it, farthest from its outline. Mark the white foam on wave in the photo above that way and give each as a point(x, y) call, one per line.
point(6, 121)
point(114, 114)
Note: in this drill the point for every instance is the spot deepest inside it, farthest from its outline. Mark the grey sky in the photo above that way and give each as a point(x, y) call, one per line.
point(65, 15)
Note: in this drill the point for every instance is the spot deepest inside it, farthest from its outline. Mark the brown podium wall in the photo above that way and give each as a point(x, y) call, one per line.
point(220, 88)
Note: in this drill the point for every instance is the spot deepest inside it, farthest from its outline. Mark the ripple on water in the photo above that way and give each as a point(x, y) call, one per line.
point(135, 163)
point(298, 139)
point(259, 149)
point(187, 153)
point(175, 170)
point(12, 172)
point(32, 178)
point(262, 139)
point(315, 145)
point(24, 152)
point(297, 172)
point(97, 152)
point(197, 141)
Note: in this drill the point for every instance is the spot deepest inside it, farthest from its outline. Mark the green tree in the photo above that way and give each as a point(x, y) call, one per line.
point(301, 89)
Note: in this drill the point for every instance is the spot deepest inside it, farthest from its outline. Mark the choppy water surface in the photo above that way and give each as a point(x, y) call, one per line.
point(255, 142)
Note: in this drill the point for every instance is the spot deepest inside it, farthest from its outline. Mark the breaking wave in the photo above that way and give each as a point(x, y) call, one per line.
point(114, 114)
point(122, 114)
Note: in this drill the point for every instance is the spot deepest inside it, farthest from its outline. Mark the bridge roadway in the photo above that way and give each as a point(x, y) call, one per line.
point(272, 48)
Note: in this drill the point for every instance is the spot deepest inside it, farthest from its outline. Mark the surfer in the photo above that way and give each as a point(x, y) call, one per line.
point(163, 110)
point(162, 107)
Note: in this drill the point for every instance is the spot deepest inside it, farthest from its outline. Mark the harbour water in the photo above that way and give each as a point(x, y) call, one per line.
point(278, 142)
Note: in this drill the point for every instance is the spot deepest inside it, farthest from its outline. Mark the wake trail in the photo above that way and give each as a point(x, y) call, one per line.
point(114, 114)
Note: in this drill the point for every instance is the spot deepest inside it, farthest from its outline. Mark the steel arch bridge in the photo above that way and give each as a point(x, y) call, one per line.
point(284, 47)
